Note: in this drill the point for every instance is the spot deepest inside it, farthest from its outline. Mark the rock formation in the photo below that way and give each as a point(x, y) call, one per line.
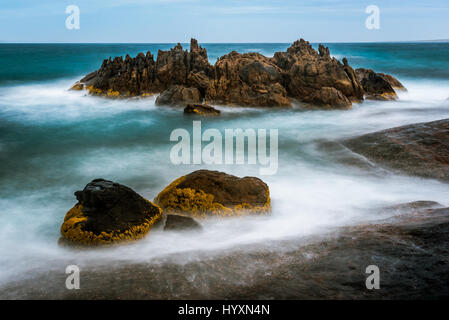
point(420, 149)
point(108, 212)
point(203, 192)
point(251, 79)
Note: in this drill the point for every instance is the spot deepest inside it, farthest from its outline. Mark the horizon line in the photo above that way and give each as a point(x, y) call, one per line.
point(240, 42)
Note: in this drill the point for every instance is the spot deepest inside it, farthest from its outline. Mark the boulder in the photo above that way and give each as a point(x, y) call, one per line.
point(177, 222)
point(376, 87)
point(420, 149)
point(178, 95)
point(203, 193)
point(108, 212)
point(201, 109)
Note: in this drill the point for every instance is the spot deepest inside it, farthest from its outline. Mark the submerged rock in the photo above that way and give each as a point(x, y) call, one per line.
point(201, 109)
point(177, 222)
point(376, 86)
point(251, 79)
point(108, 212)
point(420, 149)
point(203, 192)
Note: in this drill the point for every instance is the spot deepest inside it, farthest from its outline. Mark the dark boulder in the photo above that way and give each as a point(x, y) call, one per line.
point(205, 192)
point(420, 149)
point(177, 222)
point(108, 212)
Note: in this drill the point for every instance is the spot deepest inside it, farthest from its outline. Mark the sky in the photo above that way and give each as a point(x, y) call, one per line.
point(212, 21)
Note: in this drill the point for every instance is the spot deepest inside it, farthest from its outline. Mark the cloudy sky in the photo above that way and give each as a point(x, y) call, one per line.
point(164, 21)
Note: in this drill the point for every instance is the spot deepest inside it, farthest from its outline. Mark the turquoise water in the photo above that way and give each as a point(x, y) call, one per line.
point(54, 141)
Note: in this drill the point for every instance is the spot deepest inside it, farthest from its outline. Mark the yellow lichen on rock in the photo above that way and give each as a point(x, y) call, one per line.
point(113, 94)
point(94, 91)
point(198, 203)
point(72, 229)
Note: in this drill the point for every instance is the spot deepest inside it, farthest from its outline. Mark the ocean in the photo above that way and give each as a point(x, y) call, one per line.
point(54, 141)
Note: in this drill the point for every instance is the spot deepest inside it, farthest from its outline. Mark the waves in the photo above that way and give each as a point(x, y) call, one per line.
point(54, 141)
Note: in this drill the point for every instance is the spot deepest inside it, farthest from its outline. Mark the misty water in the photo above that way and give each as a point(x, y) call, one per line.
point(54, 141)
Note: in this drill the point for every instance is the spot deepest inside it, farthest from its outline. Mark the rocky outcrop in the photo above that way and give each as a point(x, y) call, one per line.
point(375, 85)
point(108, 212)
point(142, 75)
point(203, 192)
point(251, 79)
point(201, 109)
point(177, 222)
point(305, 72)
point(420, 149)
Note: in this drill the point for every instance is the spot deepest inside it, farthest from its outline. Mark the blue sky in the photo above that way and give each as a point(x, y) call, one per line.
point(222, 20)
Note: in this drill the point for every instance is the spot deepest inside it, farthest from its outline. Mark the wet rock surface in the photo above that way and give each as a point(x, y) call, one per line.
point(420, 149)
point(411, 251)
point(201, 109)
point(108, 212)
point(251, 79)
point(376, 86)
point(205, 192)
point(177, 222)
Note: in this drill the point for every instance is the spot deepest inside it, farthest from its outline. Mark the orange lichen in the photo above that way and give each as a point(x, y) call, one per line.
point(72, 229)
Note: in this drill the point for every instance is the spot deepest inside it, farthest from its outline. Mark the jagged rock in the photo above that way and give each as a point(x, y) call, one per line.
point(376, 87)
point(108, 212)
point(420, 149)
point(305, 72)
point(201, 109)
point(301, 73)
point(177, 222)
point(248, 79)
point(205, 192)
point(179, 96)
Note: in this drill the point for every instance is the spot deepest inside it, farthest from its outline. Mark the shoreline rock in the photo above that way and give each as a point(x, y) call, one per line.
point(411, 251)
point(420, 149)
point(250, 79)
point(203, 193)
